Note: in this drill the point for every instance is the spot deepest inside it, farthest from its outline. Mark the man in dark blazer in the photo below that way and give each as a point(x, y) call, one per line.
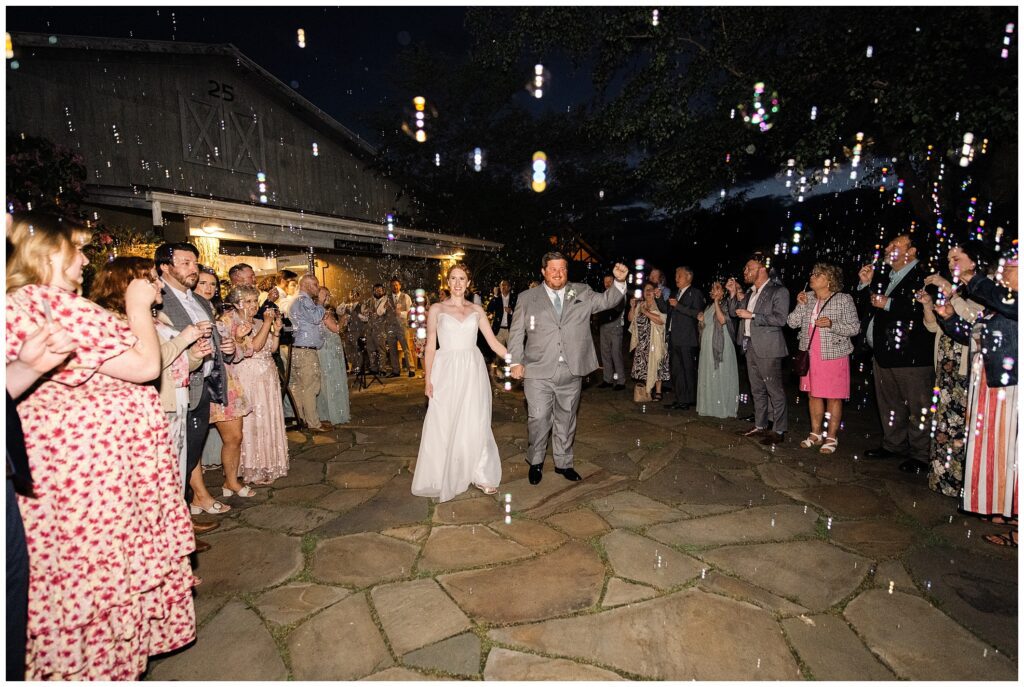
point(500, 309)
point(178, 265)
point(684, 304)
point(763, 313)
point(902, 351)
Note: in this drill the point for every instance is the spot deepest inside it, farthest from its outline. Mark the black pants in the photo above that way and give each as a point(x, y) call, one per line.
point(17, 589)
point(195, 437)
point(683, 362)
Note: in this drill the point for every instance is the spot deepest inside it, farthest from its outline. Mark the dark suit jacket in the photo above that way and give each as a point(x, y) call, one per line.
point(899, 337)
point(999, 334)
point(683, 326)
point(495, 308)
point(218, 375)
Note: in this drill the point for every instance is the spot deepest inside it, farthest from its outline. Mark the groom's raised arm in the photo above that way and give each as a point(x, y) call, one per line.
point(611, 298)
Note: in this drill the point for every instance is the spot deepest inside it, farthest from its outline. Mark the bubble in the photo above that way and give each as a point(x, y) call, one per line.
point(301, 38)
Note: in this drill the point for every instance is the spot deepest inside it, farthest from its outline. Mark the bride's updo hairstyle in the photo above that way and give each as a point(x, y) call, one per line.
point(459, 266)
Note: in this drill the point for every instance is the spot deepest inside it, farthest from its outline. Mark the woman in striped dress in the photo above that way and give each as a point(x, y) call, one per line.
point(990, 470)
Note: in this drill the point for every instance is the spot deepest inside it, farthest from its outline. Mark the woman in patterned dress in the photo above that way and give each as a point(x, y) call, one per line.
point(647, 328)
point(952, 362)
point(228, 418)
point(108, 534)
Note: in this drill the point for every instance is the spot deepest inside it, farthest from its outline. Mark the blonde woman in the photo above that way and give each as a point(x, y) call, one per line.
point(108, 534)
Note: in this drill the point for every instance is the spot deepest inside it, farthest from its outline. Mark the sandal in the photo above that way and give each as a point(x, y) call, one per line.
point(1003, 539)
point(490, 491)
point(811, 440)
point(999, 520)
point(216, 508)
point(829, 446)
point(245, 492)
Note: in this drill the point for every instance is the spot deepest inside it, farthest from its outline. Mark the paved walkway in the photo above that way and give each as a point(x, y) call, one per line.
point(686, 553)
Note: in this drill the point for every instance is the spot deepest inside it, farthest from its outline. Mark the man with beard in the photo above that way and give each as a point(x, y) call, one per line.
point(178, 265)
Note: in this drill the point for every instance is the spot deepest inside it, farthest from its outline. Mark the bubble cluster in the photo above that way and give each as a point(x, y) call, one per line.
point(301, 38)
point(540, 172)
point(389, 220)
point(762, 108)
point(1005, 53)
point(261, 185)
point(638, 279)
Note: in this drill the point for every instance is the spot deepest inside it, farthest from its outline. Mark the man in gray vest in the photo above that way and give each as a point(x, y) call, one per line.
point(551, 347)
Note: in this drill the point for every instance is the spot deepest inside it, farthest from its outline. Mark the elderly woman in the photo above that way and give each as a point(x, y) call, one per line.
point(827, 320)
point(952, 361)
point(647, 331)
point(332, 401)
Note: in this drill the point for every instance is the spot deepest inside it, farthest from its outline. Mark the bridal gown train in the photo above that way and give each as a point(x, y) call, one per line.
point(457, 447)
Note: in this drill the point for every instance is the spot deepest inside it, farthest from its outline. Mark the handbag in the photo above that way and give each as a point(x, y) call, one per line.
point(641, 394)
point(802, 359)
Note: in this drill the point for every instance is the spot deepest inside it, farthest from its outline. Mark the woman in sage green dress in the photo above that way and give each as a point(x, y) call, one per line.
point(717, 376)
point(332, 401)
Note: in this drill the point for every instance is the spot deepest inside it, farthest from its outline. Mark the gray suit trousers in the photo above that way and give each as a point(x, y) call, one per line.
point(767, 391)
point(614, 369)
point(551, 409)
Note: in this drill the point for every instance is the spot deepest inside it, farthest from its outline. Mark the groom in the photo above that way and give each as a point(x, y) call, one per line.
point(559, 351)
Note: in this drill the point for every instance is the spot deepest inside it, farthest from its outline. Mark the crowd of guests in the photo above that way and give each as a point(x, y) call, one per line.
point(111, 397)
point(942, 350)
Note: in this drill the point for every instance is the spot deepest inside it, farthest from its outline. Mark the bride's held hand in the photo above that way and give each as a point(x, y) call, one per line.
point(518, 371)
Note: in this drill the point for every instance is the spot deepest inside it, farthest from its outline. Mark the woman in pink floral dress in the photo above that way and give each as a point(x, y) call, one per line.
point(107, 531)
point(264, 441)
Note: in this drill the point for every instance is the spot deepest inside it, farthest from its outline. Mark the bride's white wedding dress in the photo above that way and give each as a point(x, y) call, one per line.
point(457, 447)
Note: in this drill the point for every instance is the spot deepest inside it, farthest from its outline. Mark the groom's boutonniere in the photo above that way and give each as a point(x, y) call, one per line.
point(571, 294)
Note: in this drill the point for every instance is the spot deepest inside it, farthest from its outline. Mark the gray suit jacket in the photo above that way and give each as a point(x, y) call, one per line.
point(551, 336)
point(771, 314)
point(218, 376)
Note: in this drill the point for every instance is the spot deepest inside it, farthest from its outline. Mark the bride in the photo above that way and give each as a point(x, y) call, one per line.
point(457, 447)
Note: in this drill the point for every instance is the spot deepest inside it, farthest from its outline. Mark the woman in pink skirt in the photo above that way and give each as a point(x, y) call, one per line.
point(826, 319)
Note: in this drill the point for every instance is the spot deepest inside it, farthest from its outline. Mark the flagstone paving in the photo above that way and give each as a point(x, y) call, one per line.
point(695, 554)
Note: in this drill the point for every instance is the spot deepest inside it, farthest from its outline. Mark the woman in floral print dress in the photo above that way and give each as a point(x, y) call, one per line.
point(108, 533)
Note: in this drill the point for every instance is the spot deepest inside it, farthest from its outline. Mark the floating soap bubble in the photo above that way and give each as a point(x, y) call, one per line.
point(761, 109)
point(301, 38)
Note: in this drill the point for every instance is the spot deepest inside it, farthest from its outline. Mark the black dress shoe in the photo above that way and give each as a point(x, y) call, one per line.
point(773, 438)
point(603, 385)
point(618, 387)
point(569, 474)
point(880, 452)
point(536, 473)
point(914, 466)
point(753, 432)
point(670, 406)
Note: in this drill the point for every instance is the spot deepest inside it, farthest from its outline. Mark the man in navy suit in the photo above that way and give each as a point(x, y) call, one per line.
point(684, 304)
point(500, 309)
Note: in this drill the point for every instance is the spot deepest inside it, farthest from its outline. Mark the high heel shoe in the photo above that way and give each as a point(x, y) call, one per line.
point(490, 491)
point(216, 508)
point(245, 492)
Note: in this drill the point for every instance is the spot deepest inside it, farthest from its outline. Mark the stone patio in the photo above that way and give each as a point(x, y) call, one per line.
point(686, 553)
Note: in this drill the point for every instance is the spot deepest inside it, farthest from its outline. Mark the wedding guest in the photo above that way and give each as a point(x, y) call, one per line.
point(647, 332)
point(176, 357)
point(332, 402)
point(500, 309)
point(661, 291)
point(952, 363)
point(41, 352)
point(380, 316)
point(304, 383)
point(609, 328)
point(264, 441)
point(228, 417)
point(990, 469)
point(827, 321)
point(684, 305)
point(178, 266)
point(763, 313)
point(717, 373)
point(107, 533)
point(242, 274)
point(404, 334)
point(208, 286)
point(901, 352)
